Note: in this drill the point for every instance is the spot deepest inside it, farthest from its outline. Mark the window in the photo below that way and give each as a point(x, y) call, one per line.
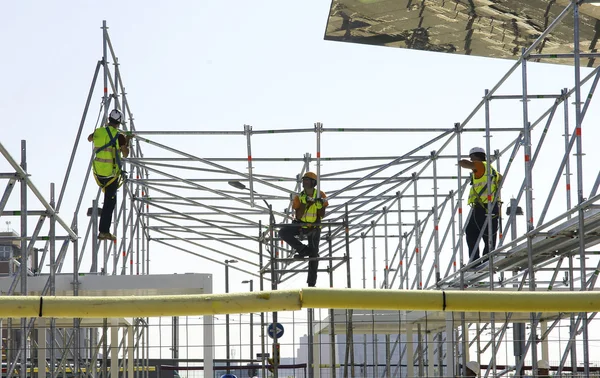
point(5, 252)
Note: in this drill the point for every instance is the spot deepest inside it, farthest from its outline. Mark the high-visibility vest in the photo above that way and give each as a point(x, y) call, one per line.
point(310, 214)
point(479, 190)
point(106, 149)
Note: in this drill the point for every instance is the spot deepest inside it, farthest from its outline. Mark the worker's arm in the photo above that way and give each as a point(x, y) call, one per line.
point(465, 163)
point(91, 137)
point(299, 207)
point(125, 151)
point(321, 213)
point(324, 203)
point(124, 145)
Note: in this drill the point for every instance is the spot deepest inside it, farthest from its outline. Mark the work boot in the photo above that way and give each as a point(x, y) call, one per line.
point(91, 209)
point(302, 253)
point(106, 236)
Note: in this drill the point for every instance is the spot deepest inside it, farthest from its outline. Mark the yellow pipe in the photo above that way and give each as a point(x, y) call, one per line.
point(19, 307)
point(369, 299)
point(523, 301)
point(167, 305)
point(292, 300)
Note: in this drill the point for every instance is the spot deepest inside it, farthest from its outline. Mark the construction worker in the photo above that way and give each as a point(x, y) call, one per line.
point(479, 196)
point(309, 209)
point(109, 146)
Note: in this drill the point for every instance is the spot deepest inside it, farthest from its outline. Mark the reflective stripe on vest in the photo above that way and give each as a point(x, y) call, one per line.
point(480, 183)
point(104, 163)
point(310, 214)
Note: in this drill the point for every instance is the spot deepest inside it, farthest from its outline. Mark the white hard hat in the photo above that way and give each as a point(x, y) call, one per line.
point(475, 150)
point(543, 364)
point(115, 116)
point(474, 367)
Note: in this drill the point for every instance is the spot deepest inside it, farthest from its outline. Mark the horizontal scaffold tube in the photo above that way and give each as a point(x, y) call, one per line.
point(291, 300)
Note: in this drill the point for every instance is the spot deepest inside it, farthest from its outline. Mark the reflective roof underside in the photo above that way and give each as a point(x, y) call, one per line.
point(495, 29)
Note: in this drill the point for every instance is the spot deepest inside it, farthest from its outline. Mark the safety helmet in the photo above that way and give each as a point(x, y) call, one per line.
point(543, 364)
point(115, 117)
point(474, 367)
point(312, 176)
point(477, 150)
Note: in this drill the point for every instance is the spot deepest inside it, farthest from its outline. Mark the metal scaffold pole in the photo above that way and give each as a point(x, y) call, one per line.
point(580, 199)
point(23, 344)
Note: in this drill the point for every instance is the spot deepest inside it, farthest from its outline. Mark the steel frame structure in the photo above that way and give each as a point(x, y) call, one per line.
point(179, 200)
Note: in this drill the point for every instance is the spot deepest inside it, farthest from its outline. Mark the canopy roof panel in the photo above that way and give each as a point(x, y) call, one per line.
point(495, 29)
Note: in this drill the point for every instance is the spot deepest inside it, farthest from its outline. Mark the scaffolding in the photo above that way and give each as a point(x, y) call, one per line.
point(409, 204)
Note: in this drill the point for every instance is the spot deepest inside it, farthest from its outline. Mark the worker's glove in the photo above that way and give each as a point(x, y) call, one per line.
point(128, 138)
point(296, 220)
point(319, 203)
point(303, 198)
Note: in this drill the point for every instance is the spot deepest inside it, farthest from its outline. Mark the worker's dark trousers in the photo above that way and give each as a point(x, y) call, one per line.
point(476, 223)
point(313, 235)
point(110, 200)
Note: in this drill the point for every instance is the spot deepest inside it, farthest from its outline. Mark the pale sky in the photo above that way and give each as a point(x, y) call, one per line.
point(199, 65)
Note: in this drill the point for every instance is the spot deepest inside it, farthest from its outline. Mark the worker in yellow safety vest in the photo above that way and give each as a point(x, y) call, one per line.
point(309, 206)
point(109, 145)
point(479, 197)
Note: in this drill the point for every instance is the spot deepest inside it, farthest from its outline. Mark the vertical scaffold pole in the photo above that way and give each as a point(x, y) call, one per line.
point(331, 311)
point(386, 270)
point(349, 358)
point(262, 287)
point(563, 93)
point(417, 229)
point(400, 249)
point(364, 286)
point(52, 284)
point(374, 335)
point(274, 282)
point(248, 133)
point(436, 237)
point(23, 259)
point(386, 286)
point(318, 131)
point(105, 72)
point(76, 324)
point(491, 234)
point(580, 199)
point(529, 206)
point(459, 204)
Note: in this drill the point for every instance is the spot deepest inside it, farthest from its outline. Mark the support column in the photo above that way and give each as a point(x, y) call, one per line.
point(130, 350)
point(114, 348)
point(316, 354)
point(410, 352)
point(42, 346)
point(430, 358)
point(543, 330)
point(450, 354)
